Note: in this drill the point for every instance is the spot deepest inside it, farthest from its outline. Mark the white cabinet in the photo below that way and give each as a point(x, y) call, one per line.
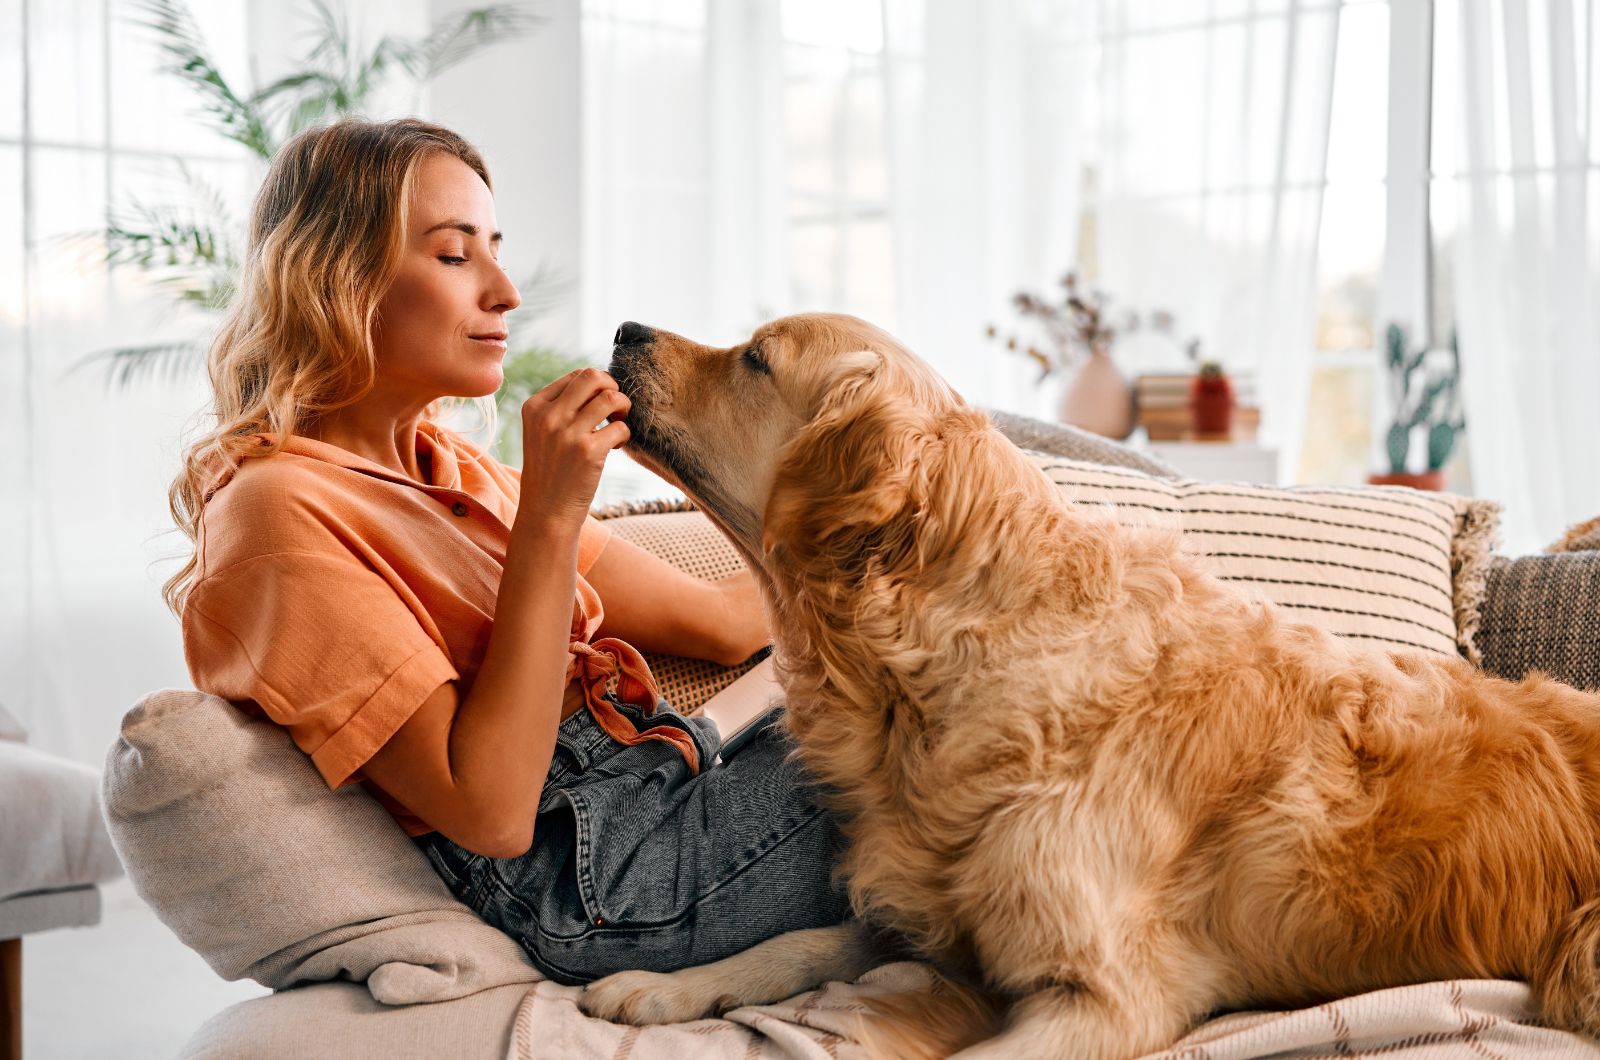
point(1219, 461)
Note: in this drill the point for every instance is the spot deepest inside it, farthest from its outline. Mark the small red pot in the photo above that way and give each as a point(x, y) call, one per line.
point(1211, 405)
point(1427, 480)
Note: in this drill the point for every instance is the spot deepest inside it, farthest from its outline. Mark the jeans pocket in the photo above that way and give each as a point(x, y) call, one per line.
point(538, 892)
point(458, 867)
point(581, 879)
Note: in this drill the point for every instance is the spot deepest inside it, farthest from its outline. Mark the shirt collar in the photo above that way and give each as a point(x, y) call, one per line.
point(431, 442)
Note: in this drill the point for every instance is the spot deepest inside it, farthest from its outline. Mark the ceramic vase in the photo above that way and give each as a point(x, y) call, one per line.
point(1098, 398)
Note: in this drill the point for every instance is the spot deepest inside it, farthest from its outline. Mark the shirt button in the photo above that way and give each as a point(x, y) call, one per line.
point(459, 507)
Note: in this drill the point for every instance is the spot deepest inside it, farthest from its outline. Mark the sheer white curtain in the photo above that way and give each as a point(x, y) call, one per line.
point(85, 123)
point(684, 222)
point(1191, 138)
point(1526, 253)
point(727, 168)
point(88, 126)
point(1210, 162)
point(986, 129)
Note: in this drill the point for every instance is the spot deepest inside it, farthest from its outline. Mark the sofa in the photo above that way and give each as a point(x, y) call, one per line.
point(231, 836)
point(56, 855)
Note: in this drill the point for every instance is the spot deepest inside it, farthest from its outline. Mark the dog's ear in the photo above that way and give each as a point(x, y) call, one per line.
point(862, 460)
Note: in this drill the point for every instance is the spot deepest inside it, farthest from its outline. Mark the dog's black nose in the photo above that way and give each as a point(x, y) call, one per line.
point(631, 334)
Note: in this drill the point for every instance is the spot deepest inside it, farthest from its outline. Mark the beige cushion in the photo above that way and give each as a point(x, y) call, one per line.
point(234, 840)
point(341, 1020)
point(51, 834)
point(1394, 566)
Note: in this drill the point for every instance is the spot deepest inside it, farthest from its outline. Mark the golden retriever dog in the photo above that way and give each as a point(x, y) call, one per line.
point(1104, 794)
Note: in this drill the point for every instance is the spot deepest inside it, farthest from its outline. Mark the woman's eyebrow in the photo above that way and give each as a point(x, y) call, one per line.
point(462, 226)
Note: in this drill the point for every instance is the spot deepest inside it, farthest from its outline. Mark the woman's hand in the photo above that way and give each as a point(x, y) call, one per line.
point(562, 452)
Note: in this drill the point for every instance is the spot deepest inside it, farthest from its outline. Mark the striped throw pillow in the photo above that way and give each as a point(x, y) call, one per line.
point(1398, 567)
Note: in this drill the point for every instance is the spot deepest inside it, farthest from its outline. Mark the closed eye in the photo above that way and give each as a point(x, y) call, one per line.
point(753, 361)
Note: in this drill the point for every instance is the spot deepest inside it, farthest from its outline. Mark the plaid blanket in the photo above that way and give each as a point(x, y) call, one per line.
point(1480, 1017)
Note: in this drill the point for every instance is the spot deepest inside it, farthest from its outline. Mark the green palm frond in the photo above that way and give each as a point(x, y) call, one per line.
point(456, 39)
point(193, 250)
point(544, 289)
point(300, 100)
point(171, 361)
point(180, 38)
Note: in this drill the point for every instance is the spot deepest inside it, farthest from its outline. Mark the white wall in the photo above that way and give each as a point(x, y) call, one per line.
point(519, 104)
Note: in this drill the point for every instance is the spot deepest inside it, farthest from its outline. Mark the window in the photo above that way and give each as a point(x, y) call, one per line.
point(1340, 411)
point(88, 125)
point(841, 248)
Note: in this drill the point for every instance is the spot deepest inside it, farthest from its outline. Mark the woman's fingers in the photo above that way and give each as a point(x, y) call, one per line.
point(587, 396)
point(613, 434)
point(574, 390)
point(605, 405)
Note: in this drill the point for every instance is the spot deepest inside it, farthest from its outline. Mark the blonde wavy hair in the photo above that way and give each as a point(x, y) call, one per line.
point(326, 233)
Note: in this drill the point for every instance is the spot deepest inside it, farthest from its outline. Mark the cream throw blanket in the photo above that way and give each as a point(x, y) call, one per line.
point(1478, 1018)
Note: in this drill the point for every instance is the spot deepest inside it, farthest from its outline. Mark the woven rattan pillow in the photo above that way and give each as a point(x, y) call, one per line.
point(1542, 613)
point(1390, 565)
point(686, 539)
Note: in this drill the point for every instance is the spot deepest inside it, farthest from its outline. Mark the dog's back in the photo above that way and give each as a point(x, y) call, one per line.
point(1245, 809)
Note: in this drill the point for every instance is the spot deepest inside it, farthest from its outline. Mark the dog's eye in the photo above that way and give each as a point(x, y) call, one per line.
point(753, 361)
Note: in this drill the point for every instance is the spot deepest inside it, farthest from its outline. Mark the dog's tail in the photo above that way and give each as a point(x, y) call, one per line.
point(1566, 980)
point(928, 1024)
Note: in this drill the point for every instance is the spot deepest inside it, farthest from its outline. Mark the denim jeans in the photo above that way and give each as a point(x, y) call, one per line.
point(637, 864)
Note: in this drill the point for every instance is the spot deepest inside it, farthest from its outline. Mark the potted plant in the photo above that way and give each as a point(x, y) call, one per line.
point(1422, 400)
point(1211, 400)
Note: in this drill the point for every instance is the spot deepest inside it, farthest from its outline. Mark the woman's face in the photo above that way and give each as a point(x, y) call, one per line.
point(441, 328)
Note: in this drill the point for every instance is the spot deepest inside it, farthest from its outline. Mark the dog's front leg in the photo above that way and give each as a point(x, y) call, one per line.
point(770, 971)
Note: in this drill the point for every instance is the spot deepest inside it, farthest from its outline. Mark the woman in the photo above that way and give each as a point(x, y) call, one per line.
point(440, 628)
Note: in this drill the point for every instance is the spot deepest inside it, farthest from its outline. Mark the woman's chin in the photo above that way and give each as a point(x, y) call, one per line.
point(483, 386)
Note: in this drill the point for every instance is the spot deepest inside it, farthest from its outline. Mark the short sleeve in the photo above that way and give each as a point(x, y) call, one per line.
point(592, 541)
point(324, 645)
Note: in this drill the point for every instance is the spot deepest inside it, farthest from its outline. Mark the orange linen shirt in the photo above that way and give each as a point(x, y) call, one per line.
point(334, 595)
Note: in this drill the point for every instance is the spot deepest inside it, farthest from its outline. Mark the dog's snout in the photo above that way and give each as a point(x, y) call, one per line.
point(631, 334)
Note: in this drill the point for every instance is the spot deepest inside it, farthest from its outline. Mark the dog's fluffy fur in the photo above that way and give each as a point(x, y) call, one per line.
point(1086, 779)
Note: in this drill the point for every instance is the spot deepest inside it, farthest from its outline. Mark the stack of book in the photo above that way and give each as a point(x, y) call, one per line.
point(1161, 402)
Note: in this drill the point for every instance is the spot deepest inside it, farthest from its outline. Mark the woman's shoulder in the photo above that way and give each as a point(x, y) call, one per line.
point(269, 505)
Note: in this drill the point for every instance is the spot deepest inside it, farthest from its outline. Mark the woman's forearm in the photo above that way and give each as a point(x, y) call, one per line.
point(658, 608)
point(504, 731)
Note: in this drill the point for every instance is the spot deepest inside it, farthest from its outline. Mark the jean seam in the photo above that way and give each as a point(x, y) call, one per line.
point(678, 918)
point(583, 832)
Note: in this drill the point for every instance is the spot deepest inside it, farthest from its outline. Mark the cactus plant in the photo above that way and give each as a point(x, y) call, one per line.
point(1421, 398)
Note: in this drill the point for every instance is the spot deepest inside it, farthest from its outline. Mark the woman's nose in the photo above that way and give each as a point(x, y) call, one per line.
point(503, 295)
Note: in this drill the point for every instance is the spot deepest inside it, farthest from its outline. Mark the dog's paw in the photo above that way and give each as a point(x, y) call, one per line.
point(644, 998)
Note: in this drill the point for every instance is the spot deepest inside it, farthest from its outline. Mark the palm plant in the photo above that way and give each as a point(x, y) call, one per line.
point(194, 250)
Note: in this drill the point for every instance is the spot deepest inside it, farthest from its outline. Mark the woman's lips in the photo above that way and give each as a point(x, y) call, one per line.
point(497, 341)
